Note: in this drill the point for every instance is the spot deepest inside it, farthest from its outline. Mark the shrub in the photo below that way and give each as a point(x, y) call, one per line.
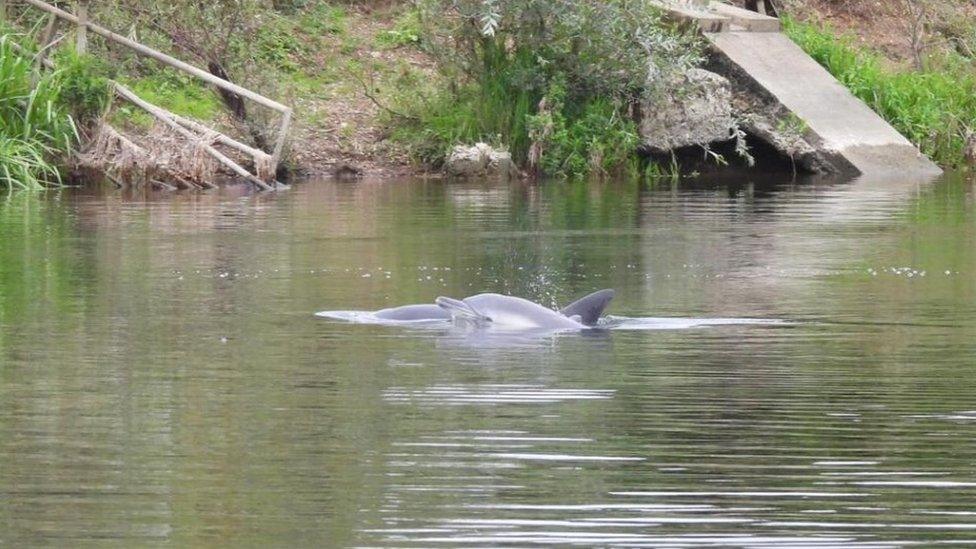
point(498, 60)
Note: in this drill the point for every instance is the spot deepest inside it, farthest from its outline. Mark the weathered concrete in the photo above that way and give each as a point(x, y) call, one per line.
point(480, 160)
point(718, 17)
point(841, 133)
point(696, 110)
point(843, 124)
point(745, 20)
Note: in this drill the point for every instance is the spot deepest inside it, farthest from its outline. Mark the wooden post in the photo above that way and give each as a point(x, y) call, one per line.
point(47, 42)
point(81, 12)
point(282, 137)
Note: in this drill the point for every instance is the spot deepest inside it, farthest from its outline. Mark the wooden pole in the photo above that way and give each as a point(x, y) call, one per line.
point(163, 58)
point(81, 9)
point(223, 139)
point(163, 116)
point(282, 137)
point(47, 41)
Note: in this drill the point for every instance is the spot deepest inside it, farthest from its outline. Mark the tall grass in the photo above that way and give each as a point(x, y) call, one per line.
point(935, 108)
point(35, 131)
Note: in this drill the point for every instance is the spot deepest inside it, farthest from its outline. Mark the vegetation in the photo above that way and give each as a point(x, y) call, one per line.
point(934, 107)
point(554, 81)
point(35, 128)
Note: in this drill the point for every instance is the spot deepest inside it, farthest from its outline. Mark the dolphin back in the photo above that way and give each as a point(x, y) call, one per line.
point(460, 310)
point(590, 308)
point(413, 313)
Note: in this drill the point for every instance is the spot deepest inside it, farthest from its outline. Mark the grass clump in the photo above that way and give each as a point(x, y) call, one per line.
point(934, 107)
point(36, 127)
point(178, 93)
point(406, 31)
point(554, 81)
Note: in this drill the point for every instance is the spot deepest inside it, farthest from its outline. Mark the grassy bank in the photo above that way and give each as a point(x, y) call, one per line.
point(934, 107)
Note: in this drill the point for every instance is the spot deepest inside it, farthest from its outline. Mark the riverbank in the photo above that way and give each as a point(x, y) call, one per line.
point(371, 99)
point(922, 84)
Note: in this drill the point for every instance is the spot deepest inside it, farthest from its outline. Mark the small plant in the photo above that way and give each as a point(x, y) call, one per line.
point(405, 32)
point(792, 125)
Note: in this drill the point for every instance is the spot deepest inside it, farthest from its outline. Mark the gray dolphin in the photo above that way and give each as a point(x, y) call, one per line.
point(508, 312)
point(588, 310)
point(413, 313)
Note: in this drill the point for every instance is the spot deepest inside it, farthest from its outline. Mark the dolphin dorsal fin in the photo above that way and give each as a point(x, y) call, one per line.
point(590, 308)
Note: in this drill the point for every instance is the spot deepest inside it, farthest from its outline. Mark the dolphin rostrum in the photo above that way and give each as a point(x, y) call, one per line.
point(509, 312)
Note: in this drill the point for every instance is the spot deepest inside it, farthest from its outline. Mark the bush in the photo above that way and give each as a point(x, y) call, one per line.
point(83, 85)
point(498, 60)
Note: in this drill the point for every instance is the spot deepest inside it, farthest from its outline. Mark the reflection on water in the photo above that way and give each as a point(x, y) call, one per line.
point(163, 379)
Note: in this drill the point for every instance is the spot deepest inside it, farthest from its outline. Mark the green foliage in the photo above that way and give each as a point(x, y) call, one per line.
point(935, 108)
point(278, 45)
point(322, 18)
point(179, 93)
point(600, 139)
point(83, 84)
point(35, 130)
point(498, 61)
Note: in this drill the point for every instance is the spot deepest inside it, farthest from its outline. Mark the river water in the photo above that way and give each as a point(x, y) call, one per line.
point(164, 379)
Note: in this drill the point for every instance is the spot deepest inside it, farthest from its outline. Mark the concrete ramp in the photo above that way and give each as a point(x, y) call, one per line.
point(843, 123)
point(844, 126)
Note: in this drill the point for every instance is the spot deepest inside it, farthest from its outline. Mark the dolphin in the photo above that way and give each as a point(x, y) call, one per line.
point(506, 311)
point(586, 311)
point(409, 313)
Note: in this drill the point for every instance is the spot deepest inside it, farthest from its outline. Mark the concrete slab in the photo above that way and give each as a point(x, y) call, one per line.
point(746, 19)
point(706, 20)
point(844, 124)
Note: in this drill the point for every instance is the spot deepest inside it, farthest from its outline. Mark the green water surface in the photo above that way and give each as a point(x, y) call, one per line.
point(164, 381)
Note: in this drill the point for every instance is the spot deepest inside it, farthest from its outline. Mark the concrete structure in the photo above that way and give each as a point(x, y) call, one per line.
point(842, 126)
